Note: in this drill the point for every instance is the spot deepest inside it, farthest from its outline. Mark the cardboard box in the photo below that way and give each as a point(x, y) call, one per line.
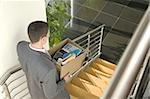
point(72, 65)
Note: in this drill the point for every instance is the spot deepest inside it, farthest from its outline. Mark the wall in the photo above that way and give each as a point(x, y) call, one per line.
point(15, 15)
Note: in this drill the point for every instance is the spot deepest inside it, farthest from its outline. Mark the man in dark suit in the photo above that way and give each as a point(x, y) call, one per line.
point(42, 77)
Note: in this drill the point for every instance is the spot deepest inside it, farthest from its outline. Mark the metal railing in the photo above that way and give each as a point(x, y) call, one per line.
point(143, 78)
point(131, 61)
point(92, 42)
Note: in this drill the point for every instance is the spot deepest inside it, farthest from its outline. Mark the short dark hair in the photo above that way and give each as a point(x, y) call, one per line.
point(36, 30)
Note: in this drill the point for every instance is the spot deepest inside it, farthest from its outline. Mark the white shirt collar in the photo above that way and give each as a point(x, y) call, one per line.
point(36, 49)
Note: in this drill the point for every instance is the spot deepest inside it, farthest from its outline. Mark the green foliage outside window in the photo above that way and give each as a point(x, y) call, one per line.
point(57, 17)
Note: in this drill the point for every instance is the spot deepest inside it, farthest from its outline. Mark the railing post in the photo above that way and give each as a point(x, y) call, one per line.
point(88, 46)
point(101, 37)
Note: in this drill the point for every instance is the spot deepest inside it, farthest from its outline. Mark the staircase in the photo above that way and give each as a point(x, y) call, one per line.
point(91, 82)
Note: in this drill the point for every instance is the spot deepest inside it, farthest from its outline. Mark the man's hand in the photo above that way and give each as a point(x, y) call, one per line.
point(66, 77)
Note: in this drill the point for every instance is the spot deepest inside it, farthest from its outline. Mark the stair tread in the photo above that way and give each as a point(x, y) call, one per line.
point(102, 68)
point(79, 83)
point(94, 90)
point(85, 81)
point(101, 73)
point(103, 78)
point(89, 87)
point(79, 92)
point(97, 82)
point(84, 76)
point(92, 81)
point(106, 63)
point(91, 71)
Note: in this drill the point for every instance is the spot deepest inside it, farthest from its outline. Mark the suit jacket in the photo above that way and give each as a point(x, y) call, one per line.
point(41, 74)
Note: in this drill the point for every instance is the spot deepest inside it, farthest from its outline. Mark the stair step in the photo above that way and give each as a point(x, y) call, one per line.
point(89, 87)
point(76, 81)
point(95, 73)
point(97, 82)
point(85, 81)
point(79, 92)
point(102, 68)
point(94, 90)
point(83, 75)
point(104, 78)
point(101, 73)
point(91, 71)
point(105, 63)
point(92, 81)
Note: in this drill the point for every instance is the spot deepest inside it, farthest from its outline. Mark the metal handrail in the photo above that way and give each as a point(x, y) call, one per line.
point(144, 69)
point(130, 62)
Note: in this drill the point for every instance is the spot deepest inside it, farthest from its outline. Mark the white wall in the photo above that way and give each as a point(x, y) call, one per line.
point(15, 15)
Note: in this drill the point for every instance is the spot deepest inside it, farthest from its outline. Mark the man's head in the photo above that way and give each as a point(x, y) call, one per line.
point(37, 32)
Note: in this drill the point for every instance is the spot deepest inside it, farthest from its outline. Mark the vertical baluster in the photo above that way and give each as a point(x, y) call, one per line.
point(100, 43)
point(88, 46)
